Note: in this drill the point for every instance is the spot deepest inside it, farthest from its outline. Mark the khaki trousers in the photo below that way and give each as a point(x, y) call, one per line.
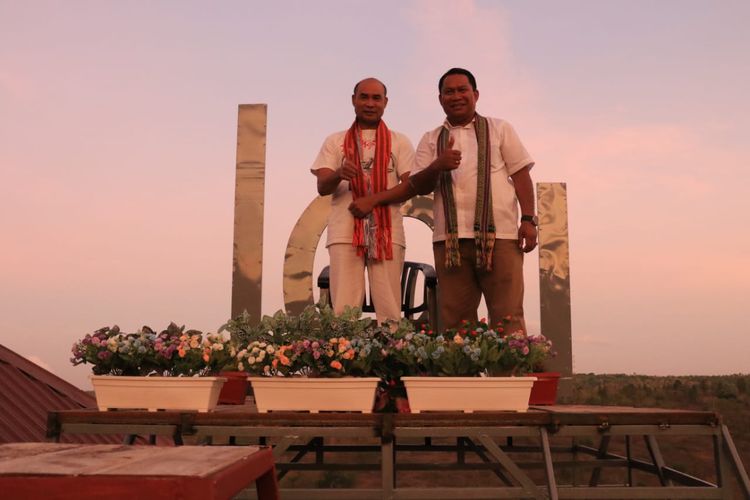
point(347, 281)
point(460, 288)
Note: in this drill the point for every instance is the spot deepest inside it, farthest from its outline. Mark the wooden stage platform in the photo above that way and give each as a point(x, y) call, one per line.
point(56, 471)
point(550, 452)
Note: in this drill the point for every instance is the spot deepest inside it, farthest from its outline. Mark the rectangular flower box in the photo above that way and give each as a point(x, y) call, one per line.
point(157, 393)
point(314, 394)
point(468, 394)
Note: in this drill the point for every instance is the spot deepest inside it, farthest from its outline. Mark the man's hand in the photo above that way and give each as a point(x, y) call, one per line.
point(362, 206)
point(527, 236)
point(449, 159)
point(348, 170)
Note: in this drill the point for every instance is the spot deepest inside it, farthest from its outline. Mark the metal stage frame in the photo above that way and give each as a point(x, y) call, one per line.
point(525, 455)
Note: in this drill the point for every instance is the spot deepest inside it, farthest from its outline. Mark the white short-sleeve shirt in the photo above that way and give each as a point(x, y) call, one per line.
point(340, 220)
point(508, 157)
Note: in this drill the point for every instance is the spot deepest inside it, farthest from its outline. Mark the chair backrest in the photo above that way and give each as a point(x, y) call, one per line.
point(409, 281)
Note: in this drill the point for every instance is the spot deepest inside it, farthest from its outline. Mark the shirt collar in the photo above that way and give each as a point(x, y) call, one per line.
point(447, 124)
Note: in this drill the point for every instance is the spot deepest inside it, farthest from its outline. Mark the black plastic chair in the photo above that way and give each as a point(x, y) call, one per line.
point(409, 281)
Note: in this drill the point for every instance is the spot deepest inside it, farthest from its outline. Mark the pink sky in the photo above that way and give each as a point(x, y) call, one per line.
point(117, 144)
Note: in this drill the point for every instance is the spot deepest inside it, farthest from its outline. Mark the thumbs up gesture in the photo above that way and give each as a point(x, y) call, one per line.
point(450, 158)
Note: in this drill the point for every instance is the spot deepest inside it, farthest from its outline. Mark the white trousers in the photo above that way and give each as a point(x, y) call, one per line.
point(347, 281)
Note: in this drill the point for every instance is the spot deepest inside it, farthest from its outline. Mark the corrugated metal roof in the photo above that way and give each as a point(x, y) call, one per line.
point(28, 392)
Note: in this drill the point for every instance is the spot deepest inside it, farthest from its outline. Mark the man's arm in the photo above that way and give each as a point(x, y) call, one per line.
point(397, 194)
point(328, 180)
point(527, 233)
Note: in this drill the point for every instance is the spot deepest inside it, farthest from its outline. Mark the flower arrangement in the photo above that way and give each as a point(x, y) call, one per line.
point(336, 356)
point(171, 352)
point(317, 343)
point(316, 321)
point(474, 349)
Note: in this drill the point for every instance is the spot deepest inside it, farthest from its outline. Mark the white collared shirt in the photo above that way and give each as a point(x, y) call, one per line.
point(340, 220)
point(508, 157)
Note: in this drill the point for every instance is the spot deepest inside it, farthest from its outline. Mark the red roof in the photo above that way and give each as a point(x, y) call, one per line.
point(28, 392)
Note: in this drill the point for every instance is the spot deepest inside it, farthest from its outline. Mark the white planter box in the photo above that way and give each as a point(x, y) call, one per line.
point(314, 394)
point(468, 394)
point(157, 393)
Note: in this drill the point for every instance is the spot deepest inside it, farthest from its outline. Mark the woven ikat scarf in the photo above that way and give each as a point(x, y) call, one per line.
point(484, 222)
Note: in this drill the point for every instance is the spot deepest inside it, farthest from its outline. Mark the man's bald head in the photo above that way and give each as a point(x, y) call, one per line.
point(369, 101)
point(385, 90)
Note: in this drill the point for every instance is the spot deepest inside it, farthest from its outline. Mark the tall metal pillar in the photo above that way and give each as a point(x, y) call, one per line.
point(247, 260)
point(554, 273)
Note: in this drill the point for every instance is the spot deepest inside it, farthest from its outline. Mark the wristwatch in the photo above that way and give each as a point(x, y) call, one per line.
point(530, 218)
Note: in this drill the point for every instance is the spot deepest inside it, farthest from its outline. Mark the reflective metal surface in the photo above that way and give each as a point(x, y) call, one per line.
point(300, 255)
point(247, 260)
point(419, 207)
point(554, 273)
point(300, 250)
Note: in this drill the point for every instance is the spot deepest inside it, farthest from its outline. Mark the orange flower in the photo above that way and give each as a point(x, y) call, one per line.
point(336, 365)
point(181, 352)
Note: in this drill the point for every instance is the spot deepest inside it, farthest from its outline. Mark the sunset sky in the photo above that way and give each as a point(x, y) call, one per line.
point(118, 133)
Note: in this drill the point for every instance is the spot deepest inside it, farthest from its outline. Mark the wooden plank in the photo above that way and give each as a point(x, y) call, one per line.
point(197, 461)
point(463, 493)
point(548, 467)
point(637, 430)
point(60, 471)
point(638, 492)
point(739, 469)
point(435, 432)
point(498, 454)
point(13, 451)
